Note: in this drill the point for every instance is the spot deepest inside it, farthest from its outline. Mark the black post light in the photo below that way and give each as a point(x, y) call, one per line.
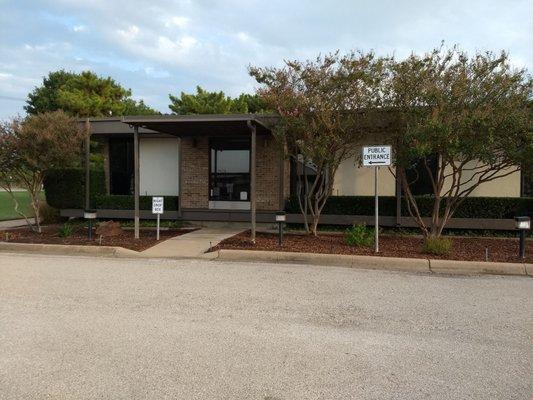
point(280, 219)
point(90, 215)
point(523, 224)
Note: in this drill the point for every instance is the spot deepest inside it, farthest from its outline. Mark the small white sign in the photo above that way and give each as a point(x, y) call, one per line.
point(157, 205)
point(377, 156)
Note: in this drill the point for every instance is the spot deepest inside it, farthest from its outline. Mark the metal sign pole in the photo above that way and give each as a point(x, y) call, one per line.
point(158, 215)
point(376, 211)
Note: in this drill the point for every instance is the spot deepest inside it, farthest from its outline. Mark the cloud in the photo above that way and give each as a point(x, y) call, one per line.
point(168, 46)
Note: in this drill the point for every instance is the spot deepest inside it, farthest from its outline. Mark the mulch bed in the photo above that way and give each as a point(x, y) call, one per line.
point(468, 249)
point(50, 235)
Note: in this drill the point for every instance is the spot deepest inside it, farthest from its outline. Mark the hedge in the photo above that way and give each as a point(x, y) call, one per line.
point(127, 202)
point(472, 207)
point(66, 188)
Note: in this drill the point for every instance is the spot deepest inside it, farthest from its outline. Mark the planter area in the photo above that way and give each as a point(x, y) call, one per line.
point(50, 235)
point(464, 248)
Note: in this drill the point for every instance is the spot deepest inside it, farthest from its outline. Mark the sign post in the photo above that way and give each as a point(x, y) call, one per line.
point(376, 156)
point(157, 208)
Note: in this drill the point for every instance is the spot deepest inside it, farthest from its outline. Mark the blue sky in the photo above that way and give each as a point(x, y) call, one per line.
point(159, 47)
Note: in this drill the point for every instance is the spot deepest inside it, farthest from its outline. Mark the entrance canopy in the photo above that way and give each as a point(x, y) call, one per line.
point(198, 125)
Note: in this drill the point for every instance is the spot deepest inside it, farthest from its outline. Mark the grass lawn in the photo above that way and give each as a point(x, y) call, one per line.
point(7, 207)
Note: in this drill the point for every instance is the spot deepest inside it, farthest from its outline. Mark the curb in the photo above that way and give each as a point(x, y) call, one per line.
point(448, 267)
point(61, 249)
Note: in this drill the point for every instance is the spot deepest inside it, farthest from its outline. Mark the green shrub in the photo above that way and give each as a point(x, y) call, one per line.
point(65, 188)
point(66, 230)
point(127, 202)
point(472, 207)
point(49, 215)
point(438, 246)
point(359, 235)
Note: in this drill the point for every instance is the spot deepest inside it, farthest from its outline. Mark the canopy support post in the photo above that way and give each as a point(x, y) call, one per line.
point(136, 179)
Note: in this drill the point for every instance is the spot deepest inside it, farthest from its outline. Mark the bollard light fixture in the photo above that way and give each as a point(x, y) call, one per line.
point(522, 224)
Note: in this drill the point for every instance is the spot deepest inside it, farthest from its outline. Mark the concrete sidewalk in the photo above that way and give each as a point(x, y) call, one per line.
point(15, 223)
point(193, 244)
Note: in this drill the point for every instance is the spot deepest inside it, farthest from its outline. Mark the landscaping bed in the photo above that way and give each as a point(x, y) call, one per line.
point(50, 235)
point(464, 248)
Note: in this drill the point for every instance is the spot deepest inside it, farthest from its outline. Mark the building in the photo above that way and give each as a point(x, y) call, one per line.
point(226, 168)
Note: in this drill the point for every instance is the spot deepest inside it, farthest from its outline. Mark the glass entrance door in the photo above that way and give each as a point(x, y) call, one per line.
point(229, 169)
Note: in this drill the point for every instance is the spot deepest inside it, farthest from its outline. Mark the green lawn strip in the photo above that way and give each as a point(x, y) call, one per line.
point(7, 207)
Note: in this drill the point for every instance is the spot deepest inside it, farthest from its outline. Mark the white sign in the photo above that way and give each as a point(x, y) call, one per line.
point(157, 205)
point(377, 156)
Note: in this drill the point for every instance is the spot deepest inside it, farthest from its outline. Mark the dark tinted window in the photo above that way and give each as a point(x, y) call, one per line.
point(121, 166)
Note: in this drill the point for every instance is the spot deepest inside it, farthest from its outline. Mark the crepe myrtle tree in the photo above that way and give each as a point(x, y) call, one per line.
point(471, 114)
point(29, 147)
point(321, 105)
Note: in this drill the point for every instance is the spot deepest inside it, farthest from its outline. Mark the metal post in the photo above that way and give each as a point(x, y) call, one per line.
point(87, 165)
point(157, 235)
point(376, 211)
point(522, 248)
point(136, 178)
point(280, 236)
point(180, 176)
point(252, 179)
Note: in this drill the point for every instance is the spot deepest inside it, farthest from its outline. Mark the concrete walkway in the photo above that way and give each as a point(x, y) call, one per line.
point(193, 244)
point(15, 223)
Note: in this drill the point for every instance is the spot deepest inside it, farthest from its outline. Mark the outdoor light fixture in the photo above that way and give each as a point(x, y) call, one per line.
point(523, 224)
point(89, 215)
point(280, 219)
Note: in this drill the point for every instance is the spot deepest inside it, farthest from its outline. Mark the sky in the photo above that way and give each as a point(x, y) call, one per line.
point(158, 47)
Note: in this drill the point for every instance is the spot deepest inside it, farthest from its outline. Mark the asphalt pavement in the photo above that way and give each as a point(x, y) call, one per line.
point(87, 328)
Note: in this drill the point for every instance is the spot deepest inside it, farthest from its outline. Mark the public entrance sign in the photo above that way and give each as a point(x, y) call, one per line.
point(158, 207)
point(377, 156)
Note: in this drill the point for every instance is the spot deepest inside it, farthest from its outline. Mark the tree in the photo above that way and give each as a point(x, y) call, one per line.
point(324, 107)
point(471, 114)
point(205, 102)
point(88, 95)
point(30, 147)
point(83, 95)
point(46, 97)
point(133, 107)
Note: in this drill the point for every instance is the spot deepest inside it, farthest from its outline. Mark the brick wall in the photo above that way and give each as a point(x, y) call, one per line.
point(195, 170)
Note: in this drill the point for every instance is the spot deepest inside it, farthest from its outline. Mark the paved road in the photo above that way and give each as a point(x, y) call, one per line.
point(84, 328)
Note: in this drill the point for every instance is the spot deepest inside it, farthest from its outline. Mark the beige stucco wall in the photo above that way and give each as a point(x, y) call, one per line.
point(352, 180)
point(508, 186)
point(158, 166)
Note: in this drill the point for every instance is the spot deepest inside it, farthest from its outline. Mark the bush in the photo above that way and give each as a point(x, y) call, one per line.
point(65, 188)
point(438, 246)
point(359, 235)
point(65, 231)
point(472, 207)
point(127, 202)
point(49, 215)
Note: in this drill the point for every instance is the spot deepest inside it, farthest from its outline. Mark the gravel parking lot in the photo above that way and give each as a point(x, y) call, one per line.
point(86, 328)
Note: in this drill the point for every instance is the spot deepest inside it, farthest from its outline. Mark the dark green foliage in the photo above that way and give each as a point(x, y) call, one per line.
point(46, 97)
point(472, 207)
point(205, 102)
point(66, 230)
point(359, 235)
point(84, 94)
point(127, 202)
point(66, 189)
point(438, 246)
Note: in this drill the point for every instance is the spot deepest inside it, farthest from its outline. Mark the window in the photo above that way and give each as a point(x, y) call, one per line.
point(526, 185)
point(121, 166)
point(418, 177)
point(229, 169)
